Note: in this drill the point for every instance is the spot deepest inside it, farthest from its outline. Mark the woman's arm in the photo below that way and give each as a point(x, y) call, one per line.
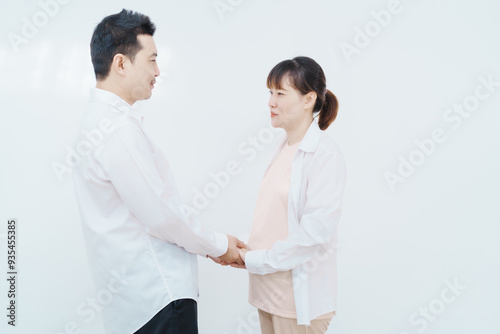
point(318, 225)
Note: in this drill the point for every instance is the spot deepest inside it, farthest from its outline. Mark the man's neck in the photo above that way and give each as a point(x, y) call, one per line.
point(108, 86)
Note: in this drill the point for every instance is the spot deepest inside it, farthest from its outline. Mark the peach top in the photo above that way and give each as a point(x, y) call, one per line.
point(273, 293)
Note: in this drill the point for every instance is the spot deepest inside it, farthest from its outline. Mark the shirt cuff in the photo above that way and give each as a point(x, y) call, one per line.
point(254, 261)
point(221, 245)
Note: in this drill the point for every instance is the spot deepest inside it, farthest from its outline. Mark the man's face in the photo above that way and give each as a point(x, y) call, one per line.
point(141, 74)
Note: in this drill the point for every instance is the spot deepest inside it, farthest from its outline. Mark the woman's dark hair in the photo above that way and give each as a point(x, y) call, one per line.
point(305, 75)
point(115, 34)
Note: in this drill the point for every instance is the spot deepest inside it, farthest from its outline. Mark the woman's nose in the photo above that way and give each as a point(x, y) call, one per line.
point(272, 102)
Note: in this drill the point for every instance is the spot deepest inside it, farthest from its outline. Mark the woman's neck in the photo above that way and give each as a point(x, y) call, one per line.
point(296, 134)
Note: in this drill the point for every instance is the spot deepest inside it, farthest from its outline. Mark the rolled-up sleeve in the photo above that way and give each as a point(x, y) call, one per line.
point(318, 224)
point(151, 195)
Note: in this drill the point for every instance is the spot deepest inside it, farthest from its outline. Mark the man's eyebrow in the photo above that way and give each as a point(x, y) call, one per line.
point(154, 54)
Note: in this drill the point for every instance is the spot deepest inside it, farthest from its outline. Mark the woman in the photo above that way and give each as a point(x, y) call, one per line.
point(291, 256)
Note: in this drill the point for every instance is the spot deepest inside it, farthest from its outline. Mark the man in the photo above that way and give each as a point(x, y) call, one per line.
point(141, 242)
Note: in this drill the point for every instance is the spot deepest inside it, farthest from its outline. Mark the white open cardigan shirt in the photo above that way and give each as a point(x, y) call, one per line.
point(314, 208)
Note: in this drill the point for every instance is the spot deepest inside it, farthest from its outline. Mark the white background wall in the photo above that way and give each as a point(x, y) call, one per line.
point(398, 246)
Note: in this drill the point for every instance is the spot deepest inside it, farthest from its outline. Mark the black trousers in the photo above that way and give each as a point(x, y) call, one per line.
point(178, 317)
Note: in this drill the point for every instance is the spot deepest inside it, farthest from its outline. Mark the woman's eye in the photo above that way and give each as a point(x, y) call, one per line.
point(280, 93)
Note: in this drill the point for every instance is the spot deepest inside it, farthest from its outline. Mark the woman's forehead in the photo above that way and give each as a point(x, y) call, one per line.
point(281, 83)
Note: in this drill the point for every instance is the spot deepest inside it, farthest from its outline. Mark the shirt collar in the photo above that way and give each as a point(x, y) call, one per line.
point(104, 96)
point(311, 138)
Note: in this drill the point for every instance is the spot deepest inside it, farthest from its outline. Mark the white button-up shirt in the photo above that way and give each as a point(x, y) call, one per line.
point(314, 208)
point(141, 241)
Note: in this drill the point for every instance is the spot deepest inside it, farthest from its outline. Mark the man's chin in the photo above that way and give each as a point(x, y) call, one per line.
point(142, 94)
point(146, 96)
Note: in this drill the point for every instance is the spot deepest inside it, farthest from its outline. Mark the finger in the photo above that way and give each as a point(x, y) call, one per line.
point(240, 244)
point(243, 253)
point(216, 260)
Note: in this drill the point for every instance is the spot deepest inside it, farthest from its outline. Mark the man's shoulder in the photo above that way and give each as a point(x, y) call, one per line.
point(96, 112)
point(103, 117)
point(103, 125)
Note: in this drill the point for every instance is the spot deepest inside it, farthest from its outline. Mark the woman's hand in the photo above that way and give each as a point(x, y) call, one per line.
point(242, 249)
point(243, 252)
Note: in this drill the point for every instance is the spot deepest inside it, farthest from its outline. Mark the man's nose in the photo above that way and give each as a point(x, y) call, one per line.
point(157, 70)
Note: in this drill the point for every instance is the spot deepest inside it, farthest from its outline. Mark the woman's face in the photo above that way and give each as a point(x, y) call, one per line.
point(288, 106)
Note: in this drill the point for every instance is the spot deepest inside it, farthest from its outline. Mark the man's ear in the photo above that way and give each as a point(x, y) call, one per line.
point(118, 64)
point(310, 100)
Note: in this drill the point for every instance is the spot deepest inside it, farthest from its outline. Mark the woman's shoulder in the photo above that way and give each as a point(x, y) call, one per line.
point(328, 146)
point(327, 158)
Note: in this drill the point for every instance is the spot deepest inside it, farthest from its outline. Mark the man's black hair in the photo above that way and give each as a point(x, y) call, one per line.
point(115, 34)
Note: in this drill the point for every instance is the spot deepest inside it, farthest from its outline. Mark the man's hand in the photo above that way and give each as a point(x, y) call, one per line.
point(232, 256)
point(215, 259)
point(243, 252)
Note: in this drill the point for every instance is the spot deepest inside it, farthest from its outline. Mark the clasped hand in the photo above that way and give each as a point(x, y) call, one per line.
point(235, 255)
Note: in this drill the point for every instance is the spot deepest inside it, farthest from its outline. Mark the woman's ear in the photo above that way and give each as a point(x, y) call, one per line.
point(310, 100)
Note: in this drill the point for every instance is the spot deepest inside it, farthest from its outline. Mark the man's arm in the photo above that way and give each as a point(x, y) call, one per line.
point(152, 198)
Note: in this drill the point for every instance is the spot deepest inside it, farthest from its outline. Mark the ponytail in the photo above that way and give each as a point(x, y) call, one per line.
point(329, 111)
